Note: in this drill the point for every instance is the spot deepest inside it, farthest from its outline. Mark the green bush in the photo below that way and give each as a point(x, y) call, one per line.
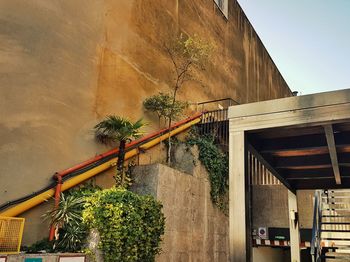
point(130, 225)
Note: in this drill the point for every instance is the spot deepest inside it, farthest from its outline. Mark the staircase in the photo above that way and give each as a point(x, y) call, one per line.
point(331, 231)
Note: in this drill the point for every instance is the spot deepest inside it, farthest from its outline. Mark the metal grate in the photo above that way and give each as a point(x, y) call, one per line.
point(11, 231)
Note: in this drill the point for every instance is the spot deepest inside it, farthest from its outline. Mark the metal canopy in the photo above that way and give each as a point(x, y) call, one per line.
point(304, 141)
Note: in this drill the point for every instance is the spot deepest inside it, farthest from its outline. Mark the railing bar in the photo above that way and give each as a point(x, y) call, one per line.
point(252, 166)
point(262, 173)
point(255, 170)
point(218, 100)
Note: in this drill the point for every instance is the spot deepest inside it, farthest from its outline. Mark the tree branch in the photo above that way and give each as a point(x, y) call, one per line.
point(172, 58)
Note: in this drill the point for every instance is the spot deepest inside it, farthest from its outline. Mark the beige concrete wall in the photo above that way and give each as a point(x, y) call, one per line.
point(270, 207)
point(66, 64)
point(305, 208)
point(195, 229)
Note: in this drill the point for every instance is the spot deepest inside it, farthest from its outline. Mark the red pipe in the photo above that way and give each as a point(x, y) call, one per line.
point(57, 202)
point(114, 151)
point(67, 171)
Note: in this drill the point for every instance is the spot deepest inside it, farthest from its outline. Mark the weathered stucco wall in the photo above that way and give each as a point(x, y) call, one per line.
point(195, 229)
point(66, 64)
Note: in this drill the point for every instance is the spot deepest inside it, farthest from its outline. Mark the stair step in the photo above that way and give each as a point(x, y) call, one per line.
point(335, 219)
point(340, 200)
point(335, 205)
point(343, 250)
point(336, 196)
point(335, 215)
point(338, 191)
point(336, 260)
point(333, 229)
point(336, 208)
point(335, 255)
point(336, 223)
point(335, 243)
point(336, 212)
point(335, 235)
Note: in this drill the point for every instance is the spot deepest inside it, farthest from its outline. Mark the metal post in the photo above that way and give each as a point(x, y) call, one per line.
point(293, 227)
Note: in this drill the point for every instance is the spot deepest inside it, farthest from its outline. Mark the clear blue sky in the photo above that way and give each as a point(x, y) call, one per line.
point(309, 40)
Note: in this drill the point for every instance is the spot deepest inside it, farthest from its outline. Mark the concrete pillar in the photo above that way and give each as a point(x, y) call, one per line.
point(239, 246)
point(293, 227)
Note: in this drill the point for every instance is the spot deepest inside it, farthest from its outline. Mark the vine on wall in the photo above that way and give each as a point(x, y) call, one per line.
point(216, 163)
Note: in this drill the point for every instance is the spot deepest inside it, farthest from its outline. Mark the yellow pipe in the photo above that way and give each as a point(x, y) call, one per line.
point(34, 201)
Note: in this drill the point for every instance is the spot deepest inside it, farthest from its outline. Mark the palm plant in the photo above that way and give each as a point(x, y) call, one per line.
point(67, 219)
point(118, 129)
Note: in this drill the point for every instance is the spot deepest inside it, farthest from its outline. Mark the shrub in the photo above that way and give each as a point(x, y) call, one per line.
point(68, 218)
point(130, 225)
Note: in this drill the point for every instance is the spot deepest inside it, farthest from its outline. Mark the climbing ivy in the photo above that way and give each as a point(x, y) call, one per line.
point(130, 225)
point(216, 163)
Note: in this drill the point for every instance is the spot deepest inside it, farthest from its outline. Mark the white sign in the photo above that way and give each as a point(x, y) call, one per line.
point(2, 259)
point(72, 259)
point(262, 232)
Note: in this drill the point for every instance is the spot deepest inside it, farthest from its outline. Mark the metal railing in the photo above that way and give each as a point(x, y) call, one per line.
point(316, 248)
point(210, 105)
point(215, 123)
point(259, 174)
point(11, 231)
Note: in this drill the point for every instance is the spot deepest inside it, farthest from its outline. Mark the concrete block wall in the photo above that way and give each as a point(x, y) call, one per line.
point(270, 206)
point(195, 229)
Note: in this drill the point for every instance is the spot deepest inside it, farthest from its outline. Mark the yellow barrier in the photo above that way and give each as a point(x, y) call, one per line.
point(11, 231)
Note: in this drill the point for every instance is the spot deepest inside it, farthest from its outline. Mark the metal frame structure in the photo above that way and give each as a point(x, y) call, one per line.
point(293, 122)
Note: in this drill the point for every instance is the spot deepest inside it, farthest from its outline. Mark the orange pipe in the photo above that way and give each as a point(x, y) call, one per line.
point(59, 175)
point(57, 202)
point(132, 143)
point(50, 193)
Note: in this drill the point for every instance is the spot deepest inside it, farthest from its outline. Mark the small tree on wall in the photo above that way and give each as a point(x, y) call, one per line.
point(162, 105)
point(187, 54)
point(122, 130)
